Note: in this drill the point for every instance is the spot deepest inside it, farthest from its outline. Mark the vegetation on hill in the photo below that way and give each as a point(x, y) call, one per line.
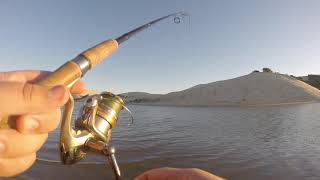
point(313, 80)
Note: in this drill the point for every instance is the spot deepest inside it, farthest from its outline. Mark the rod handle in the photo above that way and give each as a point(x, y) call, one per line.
point(99, 52)
point(66, 75)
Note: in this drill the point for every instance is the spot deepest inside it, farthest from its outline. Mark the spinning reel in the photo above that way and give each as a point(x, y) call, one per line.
point(92, 130)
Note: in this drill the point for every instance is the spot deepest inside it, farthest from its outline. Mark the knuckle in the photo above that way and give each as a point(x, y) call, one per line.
point(27, 92)
point(48, 121)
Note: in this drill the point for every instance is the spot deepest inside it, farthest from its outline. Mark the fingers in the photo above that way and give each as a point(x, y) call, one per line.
point(177, 174)
point(32, 76)
point(38, 123)
point(22, 76)
point(158, 174)
point(79, 88)
point(14, 144)
point(13, 166)
point(39, 113)
point(200, 174)
point(22, 98)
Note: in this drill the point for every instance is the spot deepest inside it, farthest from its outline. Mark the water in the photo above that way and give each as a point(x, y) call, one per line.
point(280, 142)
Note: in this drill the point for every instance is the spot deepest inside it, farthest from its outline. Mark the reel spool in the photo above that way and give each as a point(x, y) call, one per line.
point(92, 130)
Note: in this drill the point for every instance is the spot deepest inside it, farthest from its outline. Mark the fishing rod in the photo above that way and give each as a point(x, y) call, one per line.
point(127, 35)
point(92, 130)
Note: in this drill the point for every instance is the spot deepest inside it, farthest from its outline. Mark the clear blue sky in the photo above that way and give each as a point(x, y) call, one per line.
point(225, 39)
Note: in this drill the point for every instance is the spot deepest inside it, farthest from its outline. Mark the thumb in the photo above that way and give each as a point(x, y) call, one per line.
point(20, 98)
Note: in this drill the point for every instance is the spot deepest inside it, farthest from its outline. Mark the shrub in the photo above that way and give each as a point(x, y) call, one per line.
point(267, 70)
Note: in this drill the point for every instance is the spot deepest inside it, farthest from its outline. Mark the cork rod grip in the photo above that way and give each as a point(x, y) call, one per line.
point(99, 52)
point(67, 74)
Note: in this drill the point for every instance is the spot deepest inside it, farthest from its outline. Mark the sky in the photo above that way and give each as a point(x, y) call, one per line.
point(224, 39)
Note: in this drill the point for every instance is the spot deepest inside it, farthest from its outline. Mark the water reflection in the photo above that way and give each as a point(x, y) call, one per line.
point(280, 142)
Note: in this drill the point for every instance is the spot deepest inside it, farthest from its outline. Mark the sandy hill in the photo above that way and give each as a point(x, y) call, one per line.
point(258, 88)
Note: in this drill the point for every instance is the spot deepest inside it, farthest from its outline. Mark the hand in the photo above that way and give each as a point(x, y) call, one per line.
point(38, 112)
point(177, 174)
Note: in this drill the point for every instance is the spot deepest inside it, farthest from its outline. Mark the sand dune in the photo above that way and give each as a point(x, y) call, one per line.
point(257, 88)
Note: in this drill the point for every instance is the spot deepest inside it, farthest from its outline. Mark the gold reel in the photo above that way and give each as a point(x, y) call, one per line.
point(92, 130)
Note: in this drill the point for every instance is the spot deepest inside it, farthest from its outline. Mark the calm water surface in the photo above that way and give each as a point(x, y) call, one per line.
point(280, 142)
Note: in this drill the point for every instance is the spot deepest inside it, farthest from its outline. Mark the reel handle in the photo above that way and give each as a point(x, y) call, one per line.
point(108, 151)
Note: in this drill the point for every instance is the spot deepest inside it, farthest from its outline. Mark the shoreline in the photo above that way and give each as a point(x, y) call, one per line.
point(228, 105)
